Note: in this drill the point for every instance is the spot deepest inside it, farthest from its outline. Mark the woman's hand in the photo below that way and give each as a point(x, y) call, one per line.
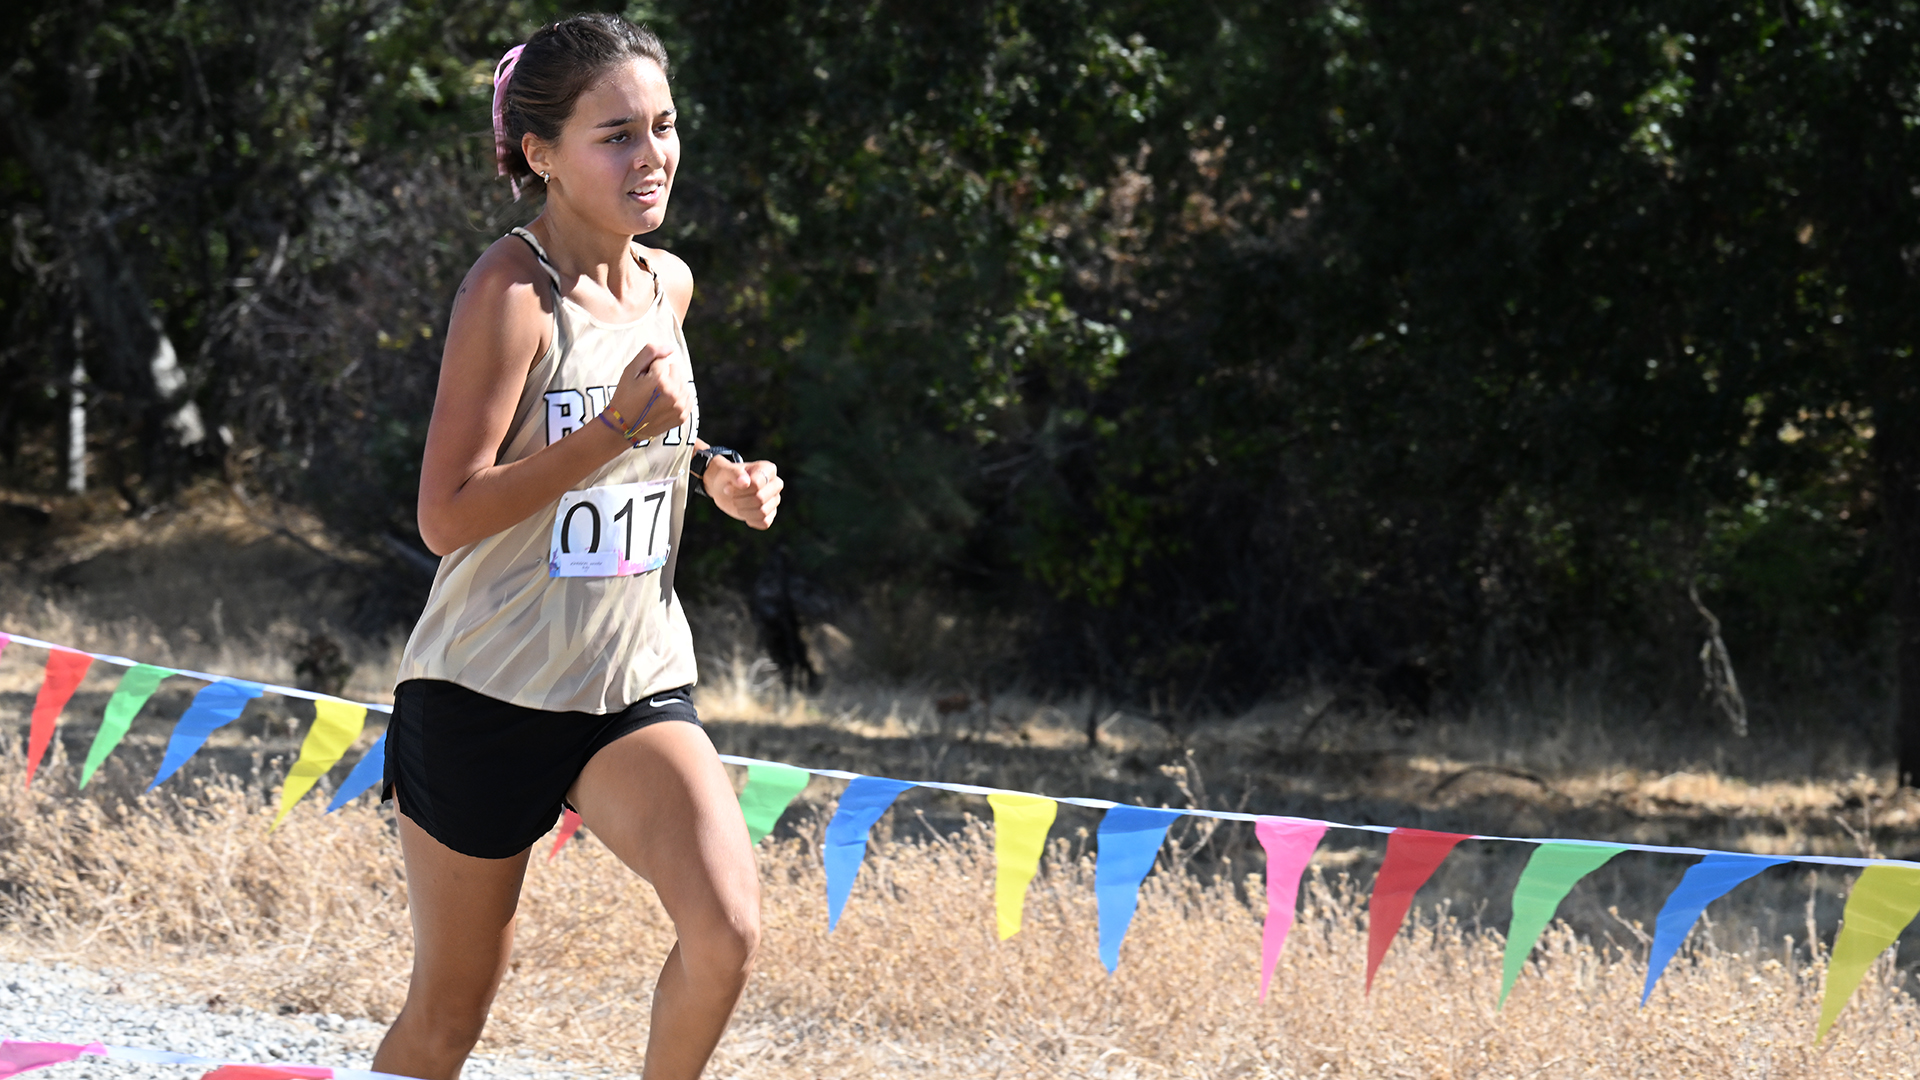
point(655, 392)
point(750, 492)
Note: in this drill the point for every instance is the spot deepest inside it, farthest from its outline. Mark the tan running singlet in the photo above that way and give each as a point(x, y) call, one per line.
point(495, 622)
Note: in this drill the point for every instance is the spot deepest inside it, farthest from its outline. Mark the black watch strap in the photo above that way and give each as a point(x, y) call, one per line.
point(698, 466)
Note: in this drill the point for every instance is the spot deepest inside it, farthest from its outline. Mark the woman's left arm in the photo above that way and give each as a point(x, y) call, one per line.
point(749, 492)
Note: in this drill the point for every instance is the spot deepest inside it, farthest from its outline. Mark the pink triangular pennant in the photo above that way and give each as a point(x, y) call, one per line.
point(1290, 844)
point(19, 1057)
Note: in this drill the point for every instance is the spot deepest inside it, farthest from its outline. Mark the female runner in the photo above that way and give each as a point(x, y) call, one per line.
point(553, 664)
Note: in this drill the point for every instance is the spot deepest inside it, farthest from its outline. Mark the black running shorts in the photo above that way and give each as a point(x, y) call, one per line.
point(488, 778)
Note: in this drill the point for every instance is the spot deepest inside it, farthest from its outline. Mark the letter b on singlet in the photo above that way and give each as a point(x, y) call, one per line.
point(566, 411)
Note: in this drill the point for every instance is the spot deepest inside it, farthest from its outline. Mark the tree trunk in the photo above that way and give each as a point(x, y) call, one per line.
point(1896, 444)
point(131, 354)
point(77, 417)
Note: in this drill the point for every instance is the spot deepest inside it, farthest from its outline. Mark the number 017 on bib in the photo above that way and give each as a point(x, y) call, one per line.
point(618, 530)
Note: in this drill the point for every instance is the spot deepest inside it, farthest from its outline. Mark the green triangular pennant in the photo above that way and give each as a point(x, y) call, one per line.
point(1551, 873)
point(136, 686)
point(770, 788)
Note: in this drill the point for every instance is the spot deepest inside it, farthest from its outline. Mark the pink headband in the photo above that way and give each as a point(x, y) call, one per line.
point(502, 73)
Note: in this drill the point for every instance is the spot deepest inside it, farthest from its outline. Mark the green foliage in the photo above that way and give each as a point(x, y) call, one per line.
point(881, 264)
point(291, 190)
point(1214, 346)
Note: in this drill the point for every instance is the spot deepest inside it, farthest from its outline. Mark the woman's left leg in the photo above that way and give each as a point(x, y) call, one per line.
point(661, 801)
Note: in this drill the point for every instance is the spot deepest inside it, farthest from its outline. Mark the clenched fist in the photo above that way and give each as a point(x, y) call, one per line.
point(750, 492)
point(654, 392)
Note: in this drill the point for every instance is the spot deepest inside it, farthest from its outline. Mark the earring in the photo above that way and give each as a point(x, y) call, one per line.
point(546, 178)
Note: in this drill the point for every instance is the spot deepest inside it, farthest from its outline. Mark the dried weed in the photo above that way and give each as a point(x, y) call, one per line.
point(190, 884)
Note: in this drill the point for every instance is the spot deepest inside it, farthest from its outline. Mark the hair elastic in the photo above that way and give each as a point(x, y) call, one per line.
point(502, 74)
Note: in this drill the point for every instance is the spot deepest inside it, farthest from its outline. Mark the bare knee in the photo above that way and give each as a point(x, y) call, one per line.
point(721, 950)
point(437, 1032)
point(458, 1034)
point(734, 943)
point(746, 942)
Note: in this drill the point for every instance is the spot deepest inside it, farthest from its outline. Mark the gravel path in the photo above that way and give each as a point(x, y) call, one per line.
point(64, 1003)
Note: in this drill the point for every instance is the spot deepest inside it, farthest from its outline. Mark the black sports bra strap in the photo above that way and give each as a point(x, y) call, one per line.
point(645, 265)
point(541, 254)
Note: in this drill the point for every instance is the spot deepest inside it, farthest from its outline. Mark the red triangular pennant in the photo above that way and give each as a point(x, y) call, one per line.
point(1412, 857)
point(65, 669)
point(569, 824)
point(269, 1072)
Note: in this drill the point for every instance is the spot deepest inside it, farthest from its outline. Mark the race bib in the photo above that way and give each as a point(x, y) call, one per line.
point(618, 530)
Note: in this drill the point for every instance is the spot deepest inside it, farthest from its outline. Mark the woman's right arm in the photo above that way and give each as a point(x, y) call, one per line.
point(500, 327)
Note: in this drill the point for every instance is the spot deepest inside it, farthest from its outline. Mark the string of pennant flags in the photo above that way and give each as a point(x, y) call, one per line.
point(18, 1056)
point(337, 723)
point(1884, 899)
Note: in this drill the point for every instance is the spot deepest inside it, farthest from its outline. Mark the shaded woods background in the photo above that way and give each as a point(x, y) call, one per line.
point(1191, 350)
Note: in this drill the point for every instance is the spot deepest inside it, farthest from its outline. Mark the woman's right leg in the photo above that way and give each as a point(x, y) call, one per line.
point(462, 910)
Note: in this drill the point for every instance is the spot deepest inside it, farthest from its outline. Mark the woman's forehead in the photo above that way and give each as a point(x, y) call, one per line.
point(627, 92)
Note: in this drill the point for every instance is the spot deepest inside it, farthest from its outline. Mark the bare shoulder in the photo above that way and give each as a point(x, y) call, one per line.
point(507, 273)
point(675, 277)
point(505, 305)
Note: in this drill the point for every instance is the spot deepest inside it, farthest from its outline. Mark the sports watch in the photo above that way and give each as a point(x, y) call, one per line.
point(698, 466)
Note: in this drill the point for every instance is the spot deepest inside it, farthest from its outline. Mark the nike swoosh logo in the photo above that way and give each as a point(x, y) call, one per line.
point(654, 703)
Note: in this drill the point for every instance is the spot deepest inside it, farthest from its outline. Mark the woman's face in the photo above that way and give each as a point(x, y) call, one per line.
point(614, 162)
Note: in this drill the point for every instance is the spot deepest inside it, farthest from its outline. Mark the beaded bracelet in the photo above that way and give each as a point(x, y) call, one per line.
point(629, 432)
point(615, 428)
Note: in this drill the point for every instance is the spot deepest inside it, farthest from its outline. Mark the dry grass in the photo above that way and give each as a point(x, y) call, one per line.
point(313, 918)
point(187, 883)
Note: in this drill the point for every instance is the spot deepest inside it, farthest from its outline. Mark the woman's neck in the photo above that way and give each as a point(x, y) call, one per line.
point(579, 251)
